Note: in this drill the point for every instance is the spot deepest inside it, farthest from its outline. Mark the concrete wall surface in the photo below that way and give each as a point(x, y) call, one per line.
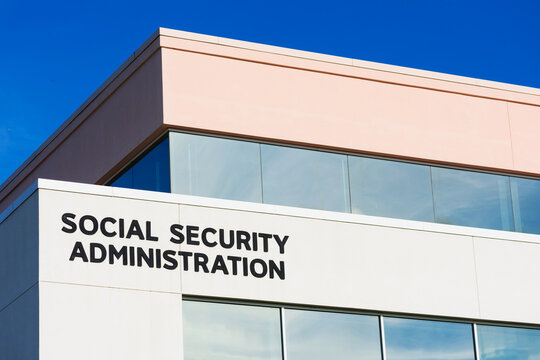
point(95, 310)
point(326, 259)
point(96, 322)
point(96, 296)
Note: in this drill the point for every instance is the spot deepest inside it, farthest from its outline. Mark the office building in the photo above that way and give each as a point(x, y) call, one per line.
point(217, 199)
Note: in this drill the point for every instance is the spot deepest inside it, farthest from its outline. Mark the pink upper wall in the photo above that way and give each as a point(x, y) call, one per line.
point(231, 87)
point(215, 85)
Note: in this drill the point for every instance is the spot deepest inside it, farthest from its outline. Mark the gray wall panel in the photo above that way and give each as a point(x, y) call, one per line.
point(19, 251)
point(19, 327)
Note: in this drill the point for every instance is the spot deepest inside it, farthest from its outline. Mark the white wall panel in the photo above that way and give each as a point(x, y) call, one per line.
point(508, 280)
point(56, 246)
point(90, 310)
point(90, 322)
point(344, 264)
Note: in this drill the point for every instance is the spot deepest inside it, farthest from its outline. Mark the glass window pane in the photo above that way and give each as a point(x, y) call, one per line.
point(305, 178)
point(505, 343)
point(215, 331)
point(526, 204)
point(408, 339)
point(125, 180)
point(472, 199)
point(317, 335)
point(151, 172)
point(390, 188)
point(215, 167)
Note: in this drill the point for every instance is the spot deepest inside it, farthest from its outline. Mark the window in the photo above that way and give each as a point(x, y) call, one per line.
point(214, 331)
point(150, 172)
point(390, 188)
point(526, 204)
point(305, 178)
point(249, 171)
point(319, 335)
point(472, 199)
point(506, 343)
point(408, 339)
point(219, 331)
point(215, 167)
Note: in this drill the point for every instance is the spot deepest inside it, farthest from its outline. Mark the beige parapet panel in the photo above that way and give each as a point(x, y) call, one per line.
point(525, 127)
point(263, 92)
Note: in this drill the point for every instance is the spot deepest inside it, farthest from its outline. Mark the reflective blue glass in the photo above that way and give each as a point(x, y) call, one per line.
point(390, 188)
point(125, 180)
point(506, 343)
point(318, 335)
point(215, 167)
point(249, 171)
point(150, 172)
point(214, 331)
point(305, 178)
point(408, 339)
point(472, 199)
point(526, 204)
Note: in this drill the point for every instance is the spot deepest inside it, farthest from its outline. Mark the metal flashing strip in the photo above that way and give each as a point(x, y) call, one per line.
point(382, 336)
point(475, 340)
point(338, 60)
point(283, 334)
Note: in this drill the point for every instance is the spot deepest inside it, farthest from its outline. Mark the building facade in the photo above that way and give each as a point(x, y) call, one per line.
point(217, 199)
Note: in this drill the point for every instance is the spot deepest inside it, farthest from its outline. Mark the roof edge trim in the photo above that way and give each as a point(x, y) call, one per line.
point(338, 60)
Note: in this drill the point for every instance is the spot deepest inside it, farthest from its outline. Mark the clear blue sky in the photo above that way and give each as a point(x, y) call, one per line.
point(54, 54)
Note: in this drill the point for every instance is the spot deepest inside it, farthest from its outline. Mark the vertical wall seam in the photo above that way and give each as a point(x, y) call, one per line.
point(261, 172)
point(349, 183)
point(510, 134)
point(162, 82)
point(432, 193)
point(476, 276)
point(181, 290)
